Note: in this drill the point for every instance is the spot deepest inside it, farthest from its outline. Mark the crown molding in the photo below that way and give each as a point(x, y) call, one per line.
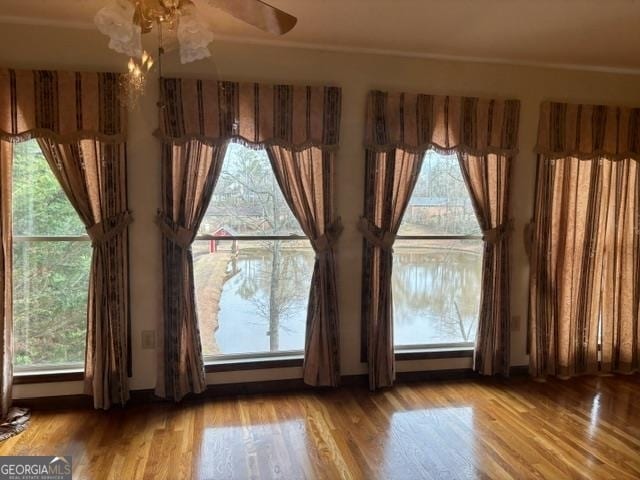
point(327, 47)
point(424, 55)
point(46, 22)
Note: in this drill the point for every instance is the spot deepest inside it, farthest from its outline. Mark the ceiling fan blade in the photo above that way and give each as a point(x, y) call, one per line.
point(259, 14)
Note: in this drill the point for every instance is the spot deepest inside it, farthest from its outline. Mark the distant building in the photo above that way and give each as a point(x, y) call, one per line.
point(421, 209)
point(221, 245)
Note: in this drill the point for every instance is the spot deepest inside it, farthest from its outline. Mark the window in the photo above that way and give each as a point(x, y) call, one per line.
point(252, 264)
point(437, 264)
point(51, 261)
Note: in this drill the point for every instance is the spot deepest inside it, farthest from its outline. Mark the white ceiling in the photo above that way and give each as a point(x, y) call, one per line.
point(585, 33)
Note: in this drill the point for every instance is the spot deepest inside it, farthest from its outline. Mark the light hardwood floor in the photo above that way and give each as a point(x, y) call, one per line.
point(582, 428)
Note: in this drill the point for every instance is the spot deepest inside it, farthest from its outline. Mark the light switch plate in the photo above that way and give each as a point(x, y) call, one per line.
point(148, 339)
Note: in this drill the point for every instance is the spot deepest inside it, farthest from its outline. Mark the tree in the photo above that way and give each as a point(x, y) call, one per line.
point(441, 183)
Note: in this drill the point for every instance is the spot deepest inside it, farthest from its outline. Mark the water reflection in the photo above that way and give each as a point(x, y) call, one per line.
point(233, 450)
point(436, 291)
point(444, 427)
point(254, 299)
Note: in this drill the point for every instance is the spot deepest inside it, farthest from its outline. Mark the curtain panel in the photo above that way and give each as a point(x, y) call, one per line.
point(299, 127)
point(400, 128)
point(93, 176)
point(306, 180)
point(585, 254)
point(80, 124)
point(189, 175)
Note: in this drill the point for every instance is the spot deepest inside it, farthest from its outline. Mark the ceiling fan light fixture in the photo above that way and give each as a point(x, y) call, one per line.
point(193, 35)
point(115, 20)
point(125, 21)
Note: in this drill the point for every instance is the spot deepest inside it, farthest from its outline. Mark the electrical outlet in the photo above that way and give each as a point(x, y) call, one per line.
point(148, 339)
point(515, 323)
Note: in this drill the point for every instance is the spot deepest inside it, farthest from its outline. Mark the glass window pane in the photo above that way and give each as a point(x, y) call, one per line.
point(440, 203)
point(252, 295)
point(50, 277)
point(50, 281)
point(247, 199)
point(40, 207)
point(436, 291)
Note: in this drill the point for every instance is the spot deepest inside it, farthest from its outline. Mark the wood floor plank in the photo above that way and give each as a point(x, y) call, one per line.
point(488, 428)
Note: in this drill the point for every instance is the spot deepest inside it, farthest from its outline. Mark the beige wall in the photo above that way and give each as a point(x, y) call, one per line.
point(356, 73)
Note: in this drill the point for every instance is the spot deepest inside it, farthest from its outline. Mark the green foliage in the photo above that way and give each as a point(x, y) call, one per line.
point(50, 277)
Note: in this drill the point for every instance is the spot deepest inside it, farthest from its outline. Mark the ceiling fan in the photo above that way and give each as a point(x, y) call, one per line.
point(124, 21)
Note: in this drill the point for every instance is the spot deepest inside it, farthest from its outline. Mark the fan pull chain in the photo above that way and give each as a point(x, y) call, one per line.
point(160, 103)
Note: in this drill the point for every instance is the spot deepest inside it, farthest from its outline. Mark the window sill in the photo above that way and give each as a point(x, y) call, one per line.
point(48, 376)
point(433, 353)
point(235, 364)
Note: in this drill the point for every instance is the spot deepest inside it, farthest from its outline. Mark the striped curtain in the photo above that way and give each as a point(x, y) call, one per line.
point(585, 253)
point(13, 420)
point(257, 115)
point(306, 180)
point(400, 129)
point(189, 175)
point(299, 127)
point(488, 179)
point(93, 176)
point(389, 182)
point(80, 123)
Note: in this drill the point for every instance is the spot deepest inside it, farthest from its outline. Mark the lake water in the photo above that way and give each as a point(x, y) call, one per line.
point(267, 292)
point(435, 290)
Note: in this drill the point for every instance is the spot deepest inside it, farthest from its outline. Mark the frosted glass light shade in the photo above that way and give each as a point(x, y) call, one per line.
point(116, 21)
point(193, 36)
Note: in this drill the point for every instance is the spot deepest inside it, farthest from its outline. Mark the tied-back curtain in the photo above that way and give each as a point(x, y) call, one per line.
point(390, 179)
point(189, 175)
point(400, 129)
point(306, 180)
point(487, 178)
point(299, 127)
point(92, 175)
point(78, 119)
point(585, 255)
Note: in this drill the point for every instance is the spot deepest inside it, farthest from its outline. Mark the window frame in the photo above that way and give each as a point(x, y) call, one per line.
point(58, 368)
point(251, 360)
point(46, 372)
point(435, 350)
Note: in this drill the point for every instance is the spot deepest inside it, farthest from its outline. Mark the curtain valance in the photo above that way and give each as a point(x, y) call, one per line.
point(588, 131)
point(416, 123)
point(213, 112)
point(62, 106)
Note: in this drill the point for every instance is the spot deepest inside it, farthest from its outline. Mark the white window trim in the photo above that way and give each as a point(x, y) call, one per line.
point(51, 238)
point(253, 357)
point(22, 371)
